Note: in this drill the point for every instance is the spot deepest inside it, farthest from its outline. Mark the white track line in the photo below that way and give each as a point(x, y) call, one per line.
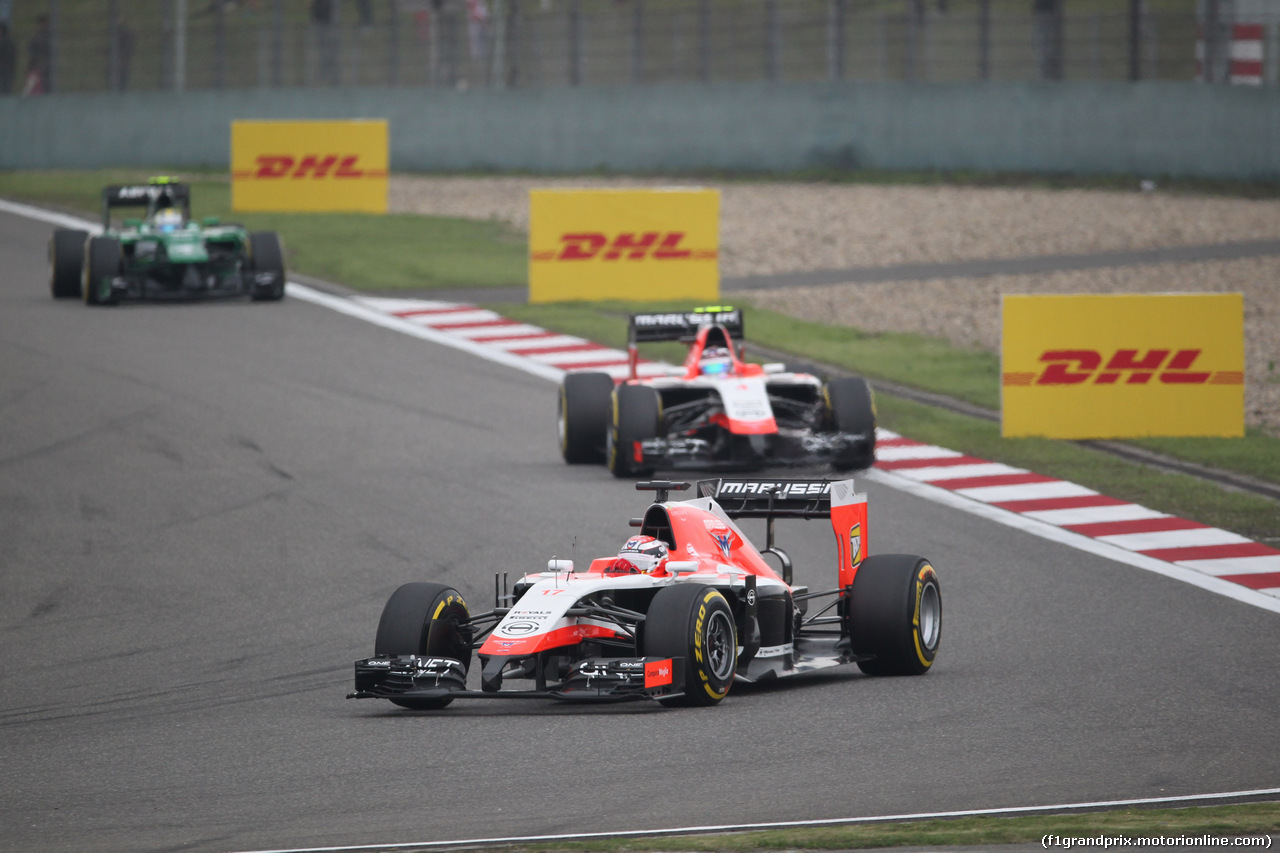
point(387, 321)
point(796, 824)
point(60, 219)
point(1076, 540)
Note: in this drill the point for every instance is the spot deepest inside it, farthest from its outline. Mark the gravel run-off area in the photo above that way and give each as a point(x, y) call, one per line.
point(770, 228)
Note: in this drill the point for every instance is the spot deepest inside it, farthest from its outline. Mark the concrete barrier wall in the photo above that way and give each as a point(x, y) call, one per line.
point(1184, 129)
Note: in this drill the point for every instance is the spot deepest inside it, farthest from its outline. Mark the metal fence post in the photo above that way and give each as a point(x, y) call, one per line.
point(835, 39)
point(704, 40)
point(219, 46)
point(882, 47)
point(575, 44)
point(1135, 40)
point(772, 40)
point(1048, 37)
point(984, 40)
point(915, 28)
point(1209, 38)
point(393, 43)
point(514, 36)
point(180, 46)
point(277, 43)
point(335, 47)
point(55, 39)
point(433, 44)
point(637, 41)
point(164, 79)
point(113, 45)
point(495, 76)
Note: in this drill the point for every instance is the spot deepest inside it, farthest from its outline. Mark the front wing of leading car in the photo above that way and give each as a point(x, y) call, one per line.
point(593, 679)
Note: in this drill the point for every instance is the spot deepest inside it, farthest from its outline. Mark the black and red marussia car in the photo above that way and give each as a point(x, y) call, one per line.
point(708, 611)
point(717, 410)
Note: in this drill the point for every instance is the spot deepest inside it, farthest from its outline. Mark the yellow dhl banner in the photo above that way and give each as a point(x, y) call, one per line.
point(309, 166)
point(1118, 366)
point(633, 244)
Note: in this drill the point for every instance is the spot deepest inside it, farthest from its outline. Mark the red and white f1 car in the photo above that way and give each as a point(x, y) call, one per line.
point(688, 608)
point(717, 411)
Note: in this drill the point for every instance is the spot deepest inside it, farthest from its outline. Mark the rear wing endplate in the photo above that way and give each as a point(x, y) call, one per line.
point(684, 325)
point(836, 500)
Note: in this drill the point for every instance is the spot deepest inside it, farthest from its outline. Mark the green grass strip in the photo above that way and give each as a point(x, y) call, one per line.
point(1235, 821)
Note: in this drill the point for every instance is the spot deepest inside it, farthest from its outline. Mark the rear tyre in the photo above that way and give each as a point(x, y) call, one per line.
point(267, 256)
point(852, 411)
point(895, 613)
point(101, 264)
point(637, 414)
point(425, 619)
point(583, 417)
point(66, 262)
point(694, 622)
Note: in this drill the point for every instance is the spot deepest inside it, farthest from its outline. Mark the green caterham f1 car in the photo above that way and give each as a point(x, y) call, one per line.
point(164, 254)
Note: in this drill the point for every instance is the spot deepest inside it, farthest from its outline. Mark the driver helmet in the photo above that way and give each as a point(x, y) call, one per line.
point(715, 360)
point(169, 219)
point(643, 554)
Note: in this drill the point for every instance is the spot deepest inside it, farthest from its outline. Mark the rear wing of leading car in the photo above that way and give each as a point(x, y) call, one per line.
point(153, 196)
point(679, 326)
point(684, 325)
point(779, 498)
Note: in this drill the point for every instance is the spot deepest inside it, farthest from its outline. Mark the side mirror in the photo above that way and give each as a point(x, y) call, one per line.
point(560, 565)
point(130, 222)
point(682, 567)
point(775, 367)
point(210, 221)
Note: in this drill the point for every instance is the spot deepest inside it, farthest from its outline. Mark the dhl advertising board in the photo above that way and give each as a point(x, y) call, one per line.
point(627, 244)
point(288, 166)
point(1117, 366)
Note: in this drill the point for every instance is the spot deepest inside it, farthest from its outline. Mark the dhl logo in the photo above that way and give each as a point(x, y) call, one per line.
point(656, 245)
point(1079, 366)
point(275, 166)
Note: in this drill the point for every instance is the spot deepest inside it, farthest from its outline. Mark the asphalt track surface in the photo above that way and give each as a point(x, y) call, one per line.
point(204, 507)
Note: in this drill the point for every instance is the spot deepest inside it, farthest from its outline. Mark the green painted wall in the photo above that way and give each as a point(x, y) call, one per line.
point(1141, 129)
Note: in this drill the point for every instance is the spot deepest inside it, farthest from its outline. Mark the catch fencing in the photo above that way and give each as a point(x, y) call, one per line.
point(463, 44)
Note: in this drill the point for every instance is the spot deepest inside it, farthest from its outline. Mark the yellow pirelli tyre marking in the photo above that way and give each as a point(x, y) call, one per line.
point(440, 608)
point(922, 579)
point(702, 613)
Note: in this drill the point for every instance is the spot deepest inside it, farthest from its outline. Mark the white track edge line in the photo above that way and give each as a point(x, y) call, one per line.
point(388, 321)
point(50, 216)
point(943, 496)
point(790, 824)
point(1077, 540)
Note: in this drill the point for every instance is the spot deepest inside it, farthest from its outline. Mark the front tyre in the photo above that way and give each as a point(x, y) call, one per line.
point(267, 256)
point(425, 619)
point(637, 415)
point(851, 411)
point(66, 262)
point(583, 417)
point(694, 622)
point(102, 263)
point(895, 613)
